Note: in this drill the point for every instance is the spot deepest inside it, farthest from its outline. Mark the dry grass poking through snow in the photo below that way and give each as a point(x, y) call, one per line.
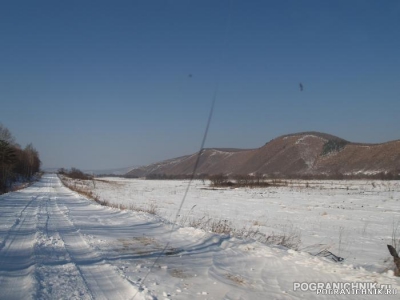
point(82, 187)
point(289, 238)
point(79, 186)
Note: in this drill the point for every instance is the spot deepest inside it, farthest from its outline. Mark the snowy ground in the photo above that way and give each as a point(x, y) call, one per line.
point(352, 219)
point(55, 244)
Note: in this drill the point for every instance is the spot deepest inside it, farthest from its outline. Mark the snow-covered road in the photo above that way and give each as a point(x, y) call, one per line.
point(55, 244)
point(43, 254)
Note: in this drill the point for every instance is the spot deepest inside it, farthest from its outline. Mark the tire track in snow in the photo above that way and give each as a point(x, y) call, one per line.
point(58, 276)
point(102, 279)
point(16, 222)
point(17, 263)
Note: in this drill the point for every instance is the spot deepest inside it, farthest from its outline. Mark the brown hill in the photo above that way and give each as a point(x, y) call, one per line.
point(307, 153)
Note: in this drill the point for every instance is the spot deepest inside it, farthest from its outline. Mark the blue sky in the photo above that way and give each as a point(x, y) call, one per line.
point(103, 84)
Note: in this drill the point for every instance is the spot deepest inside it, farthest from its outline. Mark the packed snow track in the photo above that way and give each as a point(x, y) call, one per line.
point(43, 255)
point(56, 244)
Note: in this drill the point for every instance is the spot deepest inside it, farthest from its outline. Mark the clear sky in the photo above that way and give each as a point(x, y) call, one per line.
point(103, 84)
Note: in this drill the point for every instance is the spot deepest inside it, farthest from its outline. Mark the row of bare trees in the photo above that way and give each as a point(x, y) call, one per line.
point(164, 176)
point(264, 180)
point(260, 180)
point(16, 163)
point(256, 180)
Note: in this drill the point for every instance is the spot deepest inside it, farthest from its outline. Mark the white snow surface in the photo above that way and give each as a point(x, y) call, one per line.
point(56, 244)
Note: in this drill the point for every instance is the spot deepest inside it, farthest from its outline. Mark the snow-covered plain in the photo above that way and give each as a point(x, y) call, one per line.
point(56, 244)
point(352, 219)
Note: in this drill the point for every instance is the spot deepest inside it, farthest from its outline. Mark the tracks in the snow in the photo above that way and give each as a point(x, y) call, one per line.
point(44, 256)
point(17, 262)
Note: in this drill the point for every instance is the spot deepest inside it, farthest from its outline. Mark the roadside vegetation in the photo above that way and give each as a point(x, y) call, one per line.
point(84, 184)
point(17, 165)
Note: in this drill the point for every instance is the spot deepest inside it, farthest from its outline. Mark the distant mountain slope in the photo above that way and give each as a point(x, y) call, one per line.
point(310, 153)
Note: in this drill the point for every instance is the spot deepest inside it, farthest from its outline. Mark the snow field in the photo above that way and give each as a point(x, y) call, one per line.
point(56, 244)
point(352, 219)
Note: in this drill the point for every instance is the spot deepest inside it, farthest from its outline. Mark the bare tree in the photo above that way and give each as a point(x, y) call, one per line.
point(7, 160)
point(6, 135)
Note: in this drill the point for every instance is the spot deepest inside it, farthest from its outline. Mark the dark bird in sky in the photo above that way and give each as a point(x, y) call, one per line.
point(301, 87)
point(190, 75)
